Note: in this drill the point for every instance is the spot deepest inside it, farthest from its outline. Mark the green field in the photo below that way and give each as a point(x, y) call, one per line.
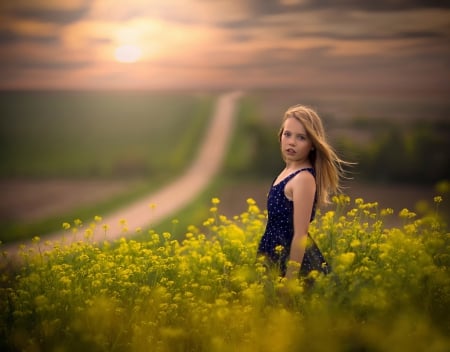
point(99, 134)
point(144, 138)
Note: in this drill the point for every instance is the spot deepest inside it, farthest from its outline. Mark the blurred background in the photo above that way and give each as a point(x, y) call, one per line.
point(104, 101)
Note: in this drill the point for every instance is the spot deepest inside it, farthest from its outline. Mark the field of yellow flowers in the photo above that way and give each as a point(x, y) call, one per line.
point(389, 289)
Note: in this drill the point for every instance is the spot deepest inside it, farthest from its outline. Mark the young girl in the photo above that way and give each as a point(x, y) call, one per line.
point(312, 172)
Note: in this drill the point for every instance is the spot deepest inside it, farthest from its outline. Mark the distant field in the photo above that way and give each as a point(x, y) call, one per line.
point(342, 106)
point(81, 154)
point(98, 134)
point(76, 154)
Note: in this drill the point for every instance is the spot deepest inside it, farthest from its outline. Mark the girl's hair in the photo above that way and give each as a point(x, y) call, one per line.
point(327, 165)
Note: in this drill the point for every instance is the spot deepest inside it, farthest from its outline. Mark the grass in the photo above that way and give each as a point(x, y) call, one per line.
point(99, 134)
point(160, 130)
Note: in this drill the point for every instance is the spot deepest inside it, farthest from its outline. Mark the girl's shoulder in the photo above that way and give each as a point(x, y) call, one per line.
point(301, 176)
point(308, 169)
point(304, 177)
point(303, 183)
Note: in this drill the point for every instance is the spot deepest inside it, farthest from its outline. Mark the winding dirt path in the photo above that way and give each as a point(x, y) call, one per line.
point(159, 205)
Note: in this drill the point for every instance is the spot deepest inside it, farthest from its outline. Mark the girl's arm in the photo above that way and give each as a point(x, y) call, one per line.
point(303, 191)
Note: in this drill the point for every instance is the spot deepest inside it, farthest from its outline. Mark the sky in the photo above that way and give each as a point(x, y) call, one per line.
point(390, 45)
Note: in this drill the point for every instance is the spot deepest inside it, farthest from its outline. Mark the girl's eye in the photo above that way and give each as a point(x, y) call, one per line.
point(287, 134)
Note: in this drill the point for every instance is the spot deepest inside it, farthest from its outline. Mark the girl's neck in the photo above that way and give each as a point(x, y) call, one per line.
point(293, 166)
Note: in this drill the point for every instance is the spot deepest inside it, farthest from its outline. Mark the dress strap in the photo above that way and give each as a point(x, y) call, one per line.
point(290, 176)
point(295, 173)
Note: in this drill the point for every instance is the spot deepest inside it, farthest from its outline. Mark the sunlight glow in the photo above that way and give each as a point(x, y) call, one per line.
point(128, 53)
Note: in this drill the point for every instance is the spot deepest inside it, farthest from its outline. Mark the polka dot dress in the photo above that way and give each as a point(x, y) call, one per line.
point(276, 242)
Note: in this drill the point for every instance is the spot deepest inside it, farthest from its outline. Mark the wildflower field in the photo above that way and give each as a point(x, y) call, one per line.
point(389, 289)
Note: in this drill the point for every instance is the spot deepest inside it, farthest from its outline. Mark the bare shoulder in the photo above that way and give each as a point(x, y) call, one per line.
point(304, 178)
point(301, 184)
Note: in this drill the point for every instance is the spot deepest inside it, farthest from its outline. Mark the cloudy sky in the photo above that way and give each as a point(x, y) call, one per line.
point(139, 44)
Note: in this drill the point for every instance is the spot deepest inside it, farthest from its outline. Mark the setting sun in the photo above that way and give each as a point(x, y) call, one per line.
point(128, 53)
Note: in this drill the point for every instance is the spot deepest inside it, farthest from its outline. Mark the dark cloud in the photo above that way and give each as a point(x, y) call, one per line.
point(386, 5)
point(321, 61)
point(240, 37)
point(54, 16)
point(278, 59)
point(258, 9)
point(366, 36)
point(25, 63)
point(8, 37)
point(275, 6)
point(57, 15)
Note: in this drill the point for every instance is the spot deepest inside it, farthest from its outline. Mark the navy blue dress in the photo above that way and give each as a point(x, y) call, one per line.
point(280, 231)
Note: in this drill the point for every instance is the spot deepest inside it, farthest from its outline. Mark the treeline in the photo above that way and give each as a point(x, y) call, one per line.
point(416, 154)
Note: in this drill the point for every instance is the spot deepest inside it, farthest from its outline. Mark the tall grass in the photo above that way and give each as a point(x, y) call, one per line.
point(389, 289)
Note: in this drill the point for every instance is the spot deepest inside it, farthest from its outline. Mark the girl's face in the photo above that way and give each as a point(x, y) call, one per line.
point(295, 142)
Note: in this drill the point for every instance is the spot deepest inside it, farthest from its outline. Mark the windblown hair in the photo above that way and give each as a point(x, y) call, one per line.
point(328, 166)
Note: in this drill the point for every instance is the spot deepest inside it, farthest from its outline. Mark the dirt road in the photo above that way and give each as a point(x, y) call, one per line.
point(159, 205)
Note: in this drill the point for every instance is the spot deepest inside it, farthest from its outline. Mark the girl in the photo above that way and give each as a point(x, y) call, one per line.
point(312, 172)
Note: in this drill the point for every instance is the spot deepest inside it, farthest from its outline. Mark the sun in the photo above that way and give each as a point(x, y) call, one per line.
point(128, 53)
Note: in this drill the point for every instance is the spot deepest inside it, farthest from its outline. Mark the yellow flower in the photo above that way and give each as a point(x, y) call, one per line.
point(279, 249)
point(208, 222)
point(65, 280)
point(66, 225)
point(88, 233)
point(314, 274)
point(347, 258)
point(251, 201)
point(342, 199)
point(359, 201)
point(253, 209)
point(387, 211)
point(405, 213)
point(223, 218)
point(355, 243)
point(40, 300)
point(437, 199)
point(215, 201)
point(97, 218)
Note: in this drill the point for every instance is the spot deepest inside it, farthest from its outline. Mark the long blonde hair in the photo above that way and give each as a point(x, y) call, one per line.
point(327, 165)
